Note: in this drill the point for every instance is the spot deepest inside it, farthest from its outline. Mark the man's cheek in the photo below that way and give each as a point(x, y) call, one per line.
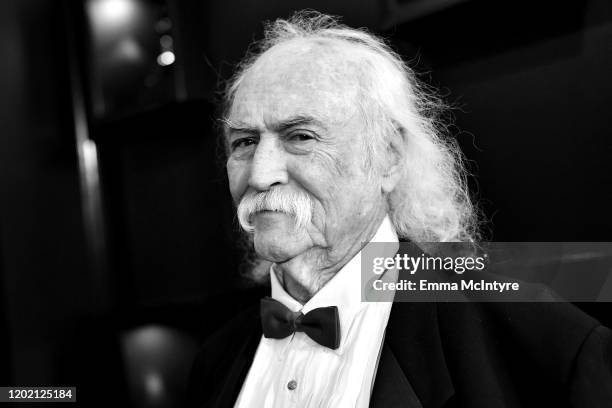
point(238, 178)
point(236, 193)
point(327, 160)
point(319, 217)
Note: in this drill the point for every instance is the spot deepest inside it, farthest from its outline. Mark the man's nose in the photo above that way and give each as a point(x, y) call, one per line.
point(269, 165)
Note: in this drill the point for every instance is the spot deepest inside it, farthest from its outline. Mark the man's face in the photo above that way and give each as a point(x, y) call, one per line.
point(295, 127)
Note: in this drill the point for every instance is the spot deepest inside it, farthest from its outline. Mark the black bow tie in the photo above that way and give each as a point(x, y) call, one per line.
point(321, 324)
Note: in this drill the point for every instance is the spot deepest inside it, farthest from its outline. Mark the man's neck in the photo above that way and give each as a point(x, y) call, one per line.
point(304, 275)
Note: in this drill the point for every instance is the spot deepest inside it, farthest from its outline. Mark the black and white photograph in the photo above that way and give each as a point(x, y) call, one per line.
point(306, 203)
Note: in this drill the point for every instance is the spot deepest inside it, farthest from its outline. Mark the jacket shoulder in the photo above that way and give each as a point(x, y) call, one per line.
point(548, 334)
point(547, 352)
point(591, 377)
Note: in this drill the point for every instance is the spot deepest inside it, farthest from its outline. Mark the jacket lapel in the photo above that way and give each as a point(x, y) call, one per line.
point(412, 370)
point(238, 372)
point(242, 355)
point(391, 388)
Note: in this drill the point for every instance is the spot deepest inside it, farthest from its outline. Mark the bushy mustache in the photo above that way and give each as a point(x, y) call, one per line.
point(295, 203)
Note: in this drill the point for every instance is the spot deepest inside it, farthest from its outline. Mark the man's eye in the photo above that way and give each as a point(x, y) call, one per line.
point(242, 143)
point(300, 137)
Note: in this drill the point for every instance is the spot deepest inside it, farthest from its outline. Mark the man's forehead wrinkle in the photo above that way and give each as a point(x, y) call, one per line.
point(247, 105)
point(308, 61)
point(234, 124)
point(286, 82)
point(267, 107)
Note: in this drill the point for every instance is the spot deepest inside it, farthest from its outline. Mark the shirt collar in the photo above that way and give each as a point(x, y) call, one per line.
point(343, 290)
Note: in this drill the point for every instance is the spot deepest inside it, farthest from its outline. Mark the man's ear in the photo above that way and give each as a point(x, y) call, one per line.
point(393, 165)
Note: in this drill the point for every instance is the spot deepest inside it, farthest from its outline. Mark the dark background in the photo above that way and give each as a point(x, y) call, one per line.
point(120, 316)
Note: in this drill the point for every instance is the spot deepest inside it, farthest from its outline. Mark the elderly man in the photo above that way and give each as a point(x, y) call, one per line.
point(331, 143)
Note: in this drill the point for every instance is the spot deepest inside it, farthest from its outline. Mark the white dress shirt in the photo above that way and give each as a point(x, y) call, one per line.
point(298, 372)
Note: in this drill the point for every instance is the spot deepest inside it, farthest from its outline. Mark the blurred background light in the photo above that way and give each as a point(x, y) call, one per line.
point(128, 49)
point(154, 385)
point(165, 58)
point(163, 25)
point(90, 158)
point(111, 14)
point(166, 41)
point(157, 361)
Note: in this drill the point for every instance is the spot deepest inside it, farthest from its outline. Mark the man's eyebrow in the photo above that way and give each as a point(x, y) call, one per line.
point(296, 121)
point(280, 126)
point(232, 127)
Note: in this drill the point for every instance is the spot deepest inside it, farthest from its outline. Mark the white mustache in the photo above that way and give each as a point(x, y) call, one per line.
point(295, 203)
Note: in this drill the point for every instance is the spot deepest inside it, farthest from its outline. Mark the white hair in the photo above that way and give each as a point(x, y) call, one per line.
point(431, 202)
point(296, 203)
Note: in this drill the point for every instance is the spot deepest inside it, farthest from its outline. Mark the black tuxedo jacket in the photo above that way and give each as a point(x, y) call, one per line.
point(449, 355)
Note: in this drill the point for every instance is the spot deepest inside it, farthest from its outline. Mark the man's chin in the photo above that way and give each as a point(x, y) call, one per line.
point(280, 245)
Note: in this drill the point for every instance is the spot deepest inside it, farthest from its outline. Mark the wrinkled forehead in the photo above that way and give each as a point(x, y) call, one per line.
point(298, 78)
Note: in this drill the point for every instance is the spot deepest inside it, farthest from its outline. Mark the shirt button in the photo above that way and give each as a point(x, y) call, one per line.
point(292, 385)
